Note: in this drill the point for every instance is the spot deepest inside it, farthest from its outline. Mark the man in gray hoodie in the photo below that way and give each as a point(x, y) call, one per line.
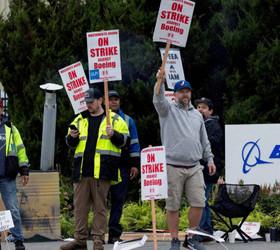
point(185, 139)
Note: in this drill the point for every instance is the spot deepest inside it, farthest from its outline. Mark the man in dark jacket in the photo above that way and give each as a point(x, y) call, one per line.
point(215, 136)
point(130, 162)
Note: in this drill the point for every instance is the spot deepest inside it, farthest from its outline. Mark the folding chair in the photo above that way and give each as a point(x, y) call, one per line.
point(235, 201)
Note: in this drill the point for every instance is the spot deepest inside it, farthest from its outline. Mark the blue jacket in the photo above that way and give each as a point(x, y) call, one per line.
point(133, 150)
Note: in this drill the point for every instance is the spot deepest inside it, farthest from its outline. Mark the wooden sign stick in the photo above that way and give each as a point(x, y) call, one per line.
point(154, 222)
point(106, 101)
point(162, 68)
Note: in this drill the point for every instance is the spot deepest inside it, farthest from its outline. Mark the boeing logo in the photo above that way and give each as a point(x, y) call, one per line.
point(251, 155)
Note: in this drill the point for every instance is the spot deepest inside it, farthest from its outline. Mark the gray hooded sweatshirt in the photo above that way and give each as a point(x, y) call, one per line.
point(183, 132)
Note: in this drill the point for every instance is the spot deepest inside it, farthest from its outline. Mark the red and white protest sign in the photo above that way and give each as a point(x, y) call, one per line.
point(173, 22)
point(75, 83)
point(104, 60)
point(153, 173)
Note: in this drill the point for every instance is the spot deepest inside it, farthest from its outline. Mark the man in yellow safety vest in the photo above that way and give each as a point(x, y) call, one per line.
point(96, 164)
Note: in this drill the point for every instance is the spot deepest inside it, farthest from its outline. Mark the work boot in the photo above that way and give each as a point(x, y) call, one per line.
point(74, 245)
point(98, 241)
point(19, 245)
point(98, 245)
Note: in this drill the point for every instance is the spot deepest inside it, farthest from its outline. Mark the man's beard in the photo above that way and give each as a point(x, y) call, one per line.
point(184, 103)
point(95, 111)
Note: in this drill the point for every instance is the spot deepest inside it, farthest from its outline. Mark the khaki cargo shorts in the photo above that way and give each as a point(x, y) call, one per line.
point(188, 181)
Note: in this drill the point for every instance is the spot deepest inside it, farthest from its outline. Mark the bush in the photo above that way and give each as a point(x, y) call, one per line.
point(66, 207)
point(67, 226)
point(184, 221)
point(138, 217)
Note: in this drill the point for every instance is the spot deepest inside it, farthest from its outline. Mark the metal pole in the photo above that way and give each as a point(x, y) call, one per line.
point(48, 135)
point(49, 125)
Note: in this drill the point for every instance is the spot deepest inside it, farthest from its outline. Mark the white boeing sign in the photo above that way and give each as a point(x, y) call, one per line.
point(252, 153)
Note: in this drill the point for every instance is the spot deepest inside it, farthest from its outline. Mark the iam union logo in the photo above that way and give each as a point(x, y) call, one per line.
point(252, 155)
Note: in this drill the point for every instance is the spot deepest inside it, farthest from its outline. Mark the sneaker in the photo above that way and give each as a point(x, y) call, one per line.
point(204, 239)
point(112, 240)
point(11, 238)
point(193, 244)
point(19, 245)
point(175, 244)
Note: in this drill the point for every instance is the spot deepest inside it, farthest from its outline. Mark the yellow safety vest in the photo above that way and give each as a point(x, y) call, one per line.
point(15, 151)
point(107, 155)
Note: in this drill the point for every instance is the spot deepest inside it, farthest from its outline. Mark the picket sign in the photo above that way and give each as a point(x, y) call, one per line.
point(6, 222)
point(174, 21)
point(130, 244)
point(174, 71)
point(172, 26)
point(218, 239)
point(76, 84)
point(169, 95)
point(104, 60)
point(153, 180)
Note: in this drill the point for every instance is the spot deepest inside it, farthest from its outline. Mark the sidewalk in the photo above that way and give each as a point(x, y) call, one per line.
point(257, 245)
point(163, 243)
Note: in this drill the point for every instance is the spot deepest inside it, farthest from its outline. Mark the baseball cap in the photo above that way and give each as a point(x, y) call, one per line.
point(182, 85)
point(206, 101)
point(91, 94)
point(113, 93)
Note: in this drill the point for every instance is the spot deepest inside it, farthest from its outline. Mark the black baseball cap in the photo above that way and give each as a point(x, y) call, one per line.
point(113, 93)
point(91, 94)
point(206, 101)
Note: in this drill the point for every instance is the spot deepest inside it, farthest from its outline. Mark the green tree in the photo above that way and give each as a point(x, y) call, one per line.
point(40, 37)
point(250, 31)
point(232, 56)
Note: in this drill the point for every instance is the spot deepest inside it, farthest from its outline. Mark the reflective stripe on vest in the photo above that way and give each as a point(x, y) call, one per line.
point(134, 141)
point(126, 118)
point(77, 155)
point(135, 154)
point(11, 153)
point(107, 152)
point(21, 164)
point(20, 146)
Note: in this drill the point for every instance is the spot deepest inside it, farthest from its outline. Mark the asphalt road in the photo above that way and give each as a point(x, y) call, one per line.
point(257, 245)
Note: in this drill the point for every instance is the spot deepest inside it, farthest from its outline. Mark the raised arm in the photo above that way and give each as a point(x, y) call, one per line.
point(160, 102)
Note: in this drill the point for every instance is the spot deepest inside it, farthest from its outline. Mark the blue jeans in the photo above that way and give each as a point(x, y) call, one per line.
point(205, 222)
point(9, 196)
